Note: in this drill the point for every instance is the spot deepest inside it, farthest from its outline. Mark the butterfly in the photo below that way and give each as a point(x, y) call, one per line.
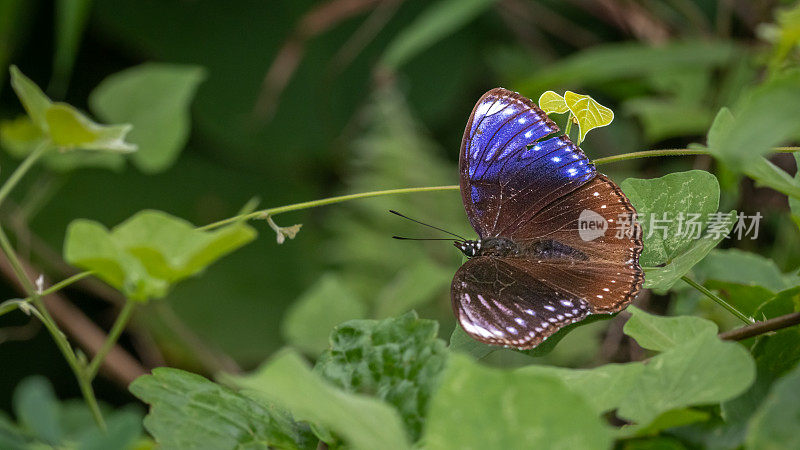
point(549, 250)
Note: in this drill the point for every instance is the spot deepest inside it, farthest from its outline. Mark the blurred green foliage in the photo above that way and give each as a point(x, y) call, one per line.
point(293, 101)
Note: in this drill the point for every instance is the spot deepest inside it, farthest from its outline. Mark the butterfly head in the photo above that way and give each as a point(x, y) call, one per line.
point(469, 248)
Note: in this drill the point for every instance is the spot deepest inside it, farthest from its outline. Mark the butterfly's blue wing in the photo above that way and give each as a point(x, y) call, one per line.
point(510, 165)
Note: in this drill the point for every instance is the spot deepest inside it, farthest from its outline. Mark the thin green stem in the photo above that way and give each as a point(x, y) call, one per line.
point(568, 127)
point(343, 198)
point(16, 265)
point(77, 368)
point(325, 201)
point(716, 298)
point(22, 169)
point(54, 288)
point(66, 282)
point(116, 330)
point(671, 152)
point(61, 341)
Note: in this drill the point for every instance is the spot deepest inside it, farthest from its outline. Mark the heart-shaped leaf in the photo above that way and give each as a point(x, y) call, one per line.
point(155, 99)
point(550, 102)
point(588, 113)
point(147, 253)
point(65, 126)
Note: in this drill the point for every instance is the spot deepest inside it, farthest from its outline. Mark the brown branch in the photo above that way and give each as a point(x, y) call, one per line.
point(119, 364)
point(758, 328)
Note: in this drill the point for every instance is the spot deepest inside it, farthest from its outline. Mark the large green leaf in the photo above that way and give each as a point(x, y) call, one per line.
point(37, 409)
point(602, 63)
point(739, 139)
point(662, 278)
point(309, 322)
point(738, 266)
point(147, 253)
point(794, 201)
point(155, 99)
point(695, 368)
point(364, 423)
point(679, 193)
point(680, 223)
point(71, 18)
point(412, 287)
point(775, 423)
point(435, 23)
point(664, 333)
point(478, 407)
point(189, 411)
point(398, 359)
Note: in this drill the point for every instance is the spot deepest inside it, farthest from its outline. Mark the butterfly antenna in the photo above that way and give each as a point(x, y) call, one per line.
point(403, 238)
point(427, 225)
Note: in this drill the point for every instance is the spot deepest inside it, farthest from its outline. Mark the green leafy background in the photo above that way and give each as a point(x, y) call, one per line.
point(302, 100)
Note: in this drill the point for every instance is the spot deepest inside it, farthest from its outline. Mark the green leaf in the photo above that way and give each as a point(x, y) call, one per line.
point(11, 436)
point(36, 407)
point(398, 359)
point(147, 253)
point(784, 302)
point(64, 125)
point(123, 430)
point(794, 201)
point(602, 63)
point(588, 113)
point(696, 368)
point(700, 369)
point(32, 98)
point(313, 316)
point(774, 425)
point(71, 129)
point(738, 266)
point(188, 411)
point(479, 407)
point(669, 118)
point(412, 287)
point(744, 298)
point(365, 423)
point(785, 35)
point(71, 18)
point(551, 102)
point(438, 21)
point(769, 175)
point(669, 419)
point(604, 387)
point(680, 206)
point(20, 137)
point(461, 342)
point(763, 119)
point(661, 279)
point(155, 99)
point(691, 192)
point(664, 333)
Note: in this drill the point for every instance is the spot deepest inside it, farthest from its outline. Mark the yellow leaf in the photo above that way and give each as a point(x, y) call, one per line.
point(550, 102)
point(588, 113)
